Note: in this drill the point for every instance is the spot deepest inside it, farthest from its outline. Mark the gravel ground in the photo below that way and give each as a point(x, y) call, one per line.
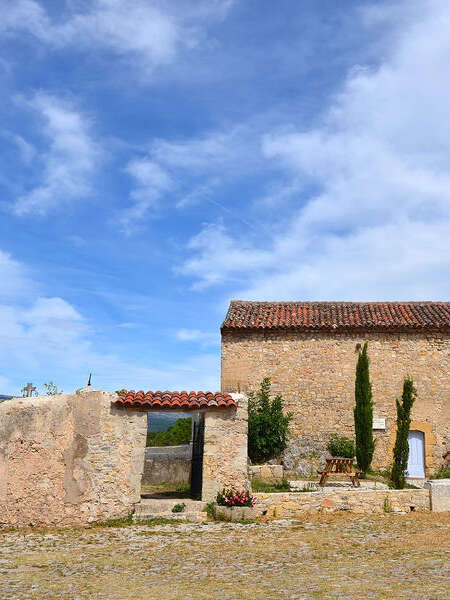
point(330, 556)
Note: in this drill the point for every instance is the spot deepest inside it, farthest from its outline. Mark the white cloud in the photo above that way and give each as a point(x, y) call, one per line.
point(69, 162)
point(379, 226)
point(191, 170)
point(217, 257)
point(24, 15)
point(151, 182)
point(14, 277)
point(146, 32)
point(27, 151)
point(189, 335)
point(199, 372)
point(47, 338)
point(204, 338)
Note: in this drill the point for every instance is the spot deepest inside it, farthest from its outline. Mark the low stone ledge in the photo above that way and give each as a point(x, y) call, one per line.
point(281, 505)
point(236, 513)
point(266, 473)
point(439, 494)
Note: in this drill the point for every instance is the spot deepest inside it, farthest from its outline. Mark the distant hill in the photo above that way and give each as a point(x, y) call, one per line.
point(3, 397)
point(161, 421)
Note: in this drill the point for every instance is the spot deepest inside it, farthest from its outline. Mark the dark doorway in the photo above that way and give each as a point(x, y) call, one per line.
point(198, 438)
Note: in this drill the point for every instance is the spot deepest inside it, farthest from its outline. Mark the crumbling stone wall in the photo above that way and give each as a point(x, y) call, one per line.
point(315, 373)
point(69, 459)
point(225, 449)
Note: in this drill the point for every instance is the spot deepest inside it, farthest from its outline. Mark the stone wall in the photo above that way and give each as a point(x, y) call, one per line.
point(358, 501)
point(439, 494)
point(225, 449)
point(69, 459)
point(266, 473)
point(315, 373)
point(167, 464)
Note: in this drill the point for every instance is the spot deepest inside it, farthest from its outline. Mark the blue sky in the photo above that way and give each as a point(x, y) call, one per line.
point(160, 158)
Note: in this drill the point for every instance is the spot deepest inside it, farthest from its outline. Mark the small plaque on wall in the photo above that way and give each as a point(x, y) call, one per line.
point(379, 424)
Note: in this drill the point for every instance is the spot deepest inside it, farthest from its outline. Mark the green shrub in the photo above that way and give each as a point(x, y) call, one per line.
point(308, 487)
point(179, 508)
point(443, 473)
point(211, 509)
point(262, 486)
point(178, 433)
point(342, 446)
point(401, 448)
point(363, 413)
point(268, 426)
point(120, 522)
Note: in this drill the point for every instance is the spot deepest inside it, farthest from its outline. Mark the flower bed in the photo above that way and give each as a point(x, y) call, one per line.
point(232, 498)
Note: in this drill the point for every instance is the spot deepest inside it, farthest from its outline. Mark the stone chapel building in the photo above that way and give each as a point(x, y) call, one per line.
point(310, 349)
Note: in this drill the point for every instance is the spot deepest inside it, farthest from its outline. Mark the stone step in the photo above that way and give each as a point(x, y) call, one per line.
point(196, 517)
point(166, 504)
point(150, 508)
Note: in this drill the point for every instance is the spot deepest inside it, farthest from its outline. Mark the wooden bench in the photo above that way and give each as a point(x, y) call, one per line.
point(339, 467)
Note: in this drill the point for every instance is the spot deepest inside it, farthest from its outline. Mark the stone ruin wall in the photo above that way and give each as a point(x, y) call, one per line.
point(315, 373)
point(225, 449)
point(69, 459)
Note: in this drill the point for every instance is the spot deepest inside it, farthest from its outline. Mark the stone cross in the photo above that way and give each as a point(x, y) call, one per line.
point(29, 389)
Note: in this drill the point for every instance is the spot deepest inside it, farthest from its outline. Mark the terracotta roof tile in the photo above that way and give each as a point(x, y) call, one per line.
point(338, 316)
point(174, 400)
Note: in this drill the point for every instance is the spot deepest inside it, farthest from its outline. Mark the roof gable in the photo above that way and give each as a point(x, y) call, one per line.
point(338, 316)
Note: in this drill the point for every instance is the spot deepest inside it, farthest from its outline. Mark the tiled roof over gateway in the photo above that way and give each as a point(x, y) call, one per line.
point(338, 316)
point(175, 400)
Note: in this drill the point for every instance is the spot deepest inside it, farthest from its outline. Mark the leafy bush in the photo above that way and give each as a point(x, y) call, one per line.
point(268, 427)
point(342, 446)
point(178, 433)
point(233, 498)
point(179, 508)
point(211, 509)
point(51, 389)
point(443, 473)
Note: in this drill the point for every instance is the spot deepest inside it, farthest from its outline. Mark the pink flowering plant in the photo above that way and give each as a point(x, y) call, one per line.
point(233, 498)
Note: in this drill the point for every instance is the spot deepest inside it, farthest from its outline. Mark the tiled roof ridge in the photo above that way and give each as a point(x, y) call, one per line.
point(335, 316)
point(336, 302)
point(175, 400)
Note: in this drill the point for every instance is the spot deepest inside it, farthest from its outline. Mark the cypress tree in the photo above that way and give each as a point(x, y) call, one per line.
point(363, 412)
point(401, 448)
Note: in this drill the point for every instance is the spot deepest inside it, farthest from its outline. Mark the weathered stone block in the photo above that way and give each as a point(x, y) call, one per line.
point(439, 494)
point(236, 513)
point(267, 473)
